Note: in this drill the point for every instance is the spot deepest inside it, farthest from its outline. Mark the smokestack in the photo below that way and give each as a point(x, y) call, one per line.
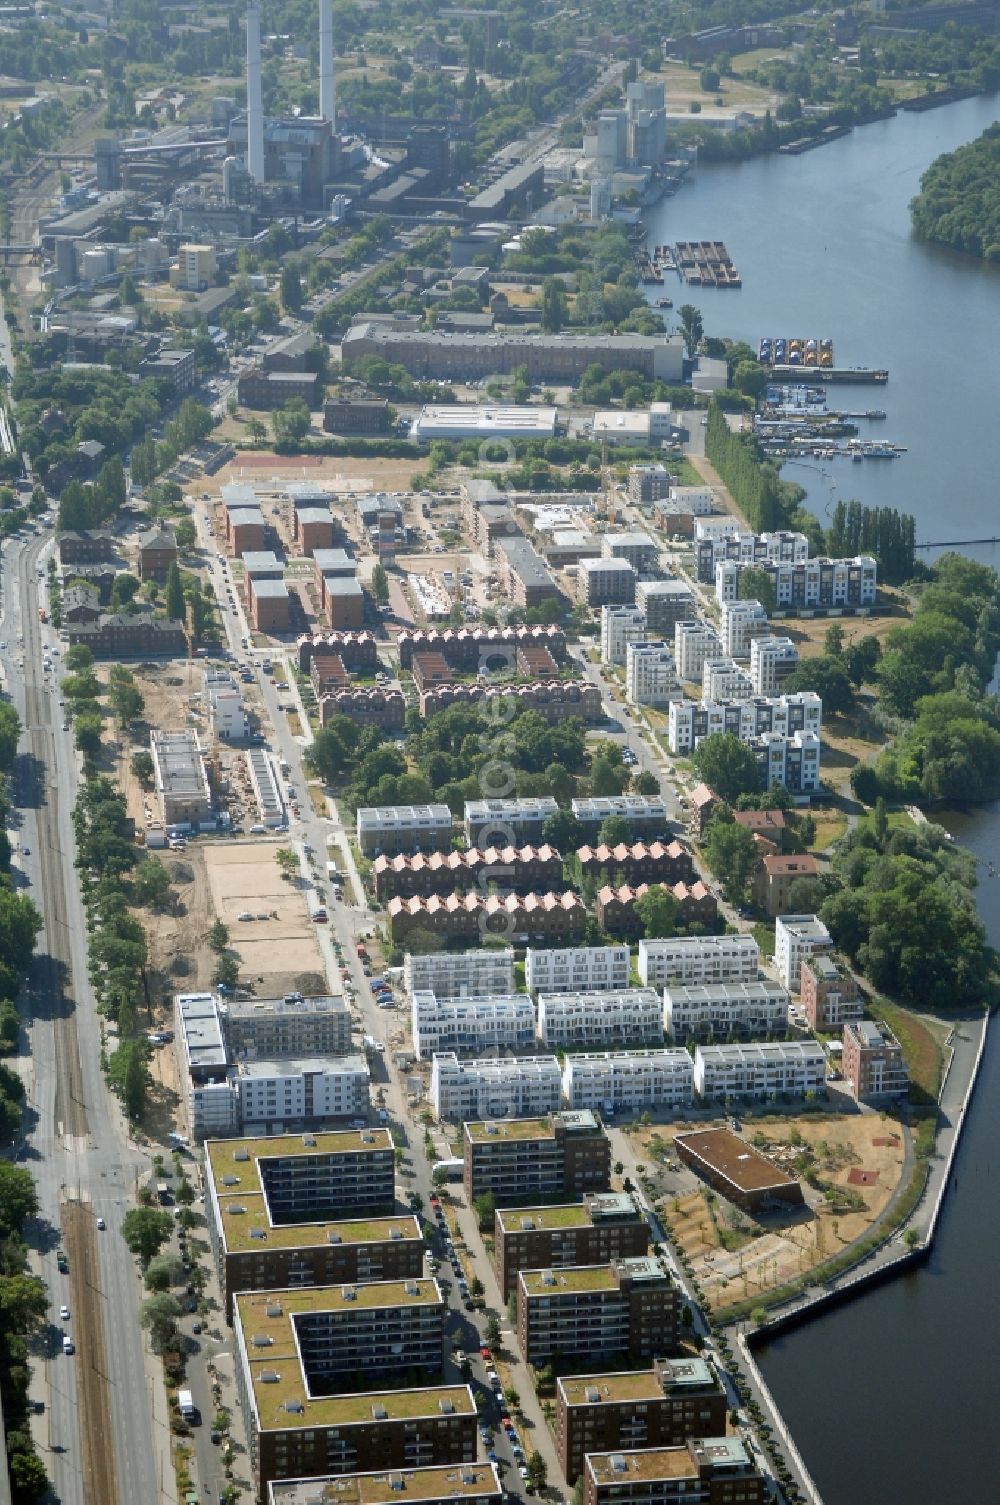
point(327, 81)
point(255, 99)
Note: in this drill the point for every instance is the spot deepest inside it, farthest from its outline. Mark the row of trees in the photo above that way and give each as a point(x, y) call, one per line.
point(24, 1304)
point(751, 480)
point(883, 531)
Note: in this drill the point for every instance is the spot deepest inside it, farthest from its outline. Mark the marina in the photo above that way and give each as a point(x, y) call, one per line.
point(705, 263)
point(797, 352)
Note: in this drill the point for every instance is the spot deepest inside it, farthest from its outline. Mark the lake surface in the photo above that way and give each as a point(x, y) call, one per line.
point(893, 1397)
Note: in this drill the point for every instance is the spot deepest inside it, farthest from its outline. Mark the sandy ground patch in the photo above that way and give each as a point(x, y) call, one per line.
point(245, 878)
point(737, 1257)
point(343, 472)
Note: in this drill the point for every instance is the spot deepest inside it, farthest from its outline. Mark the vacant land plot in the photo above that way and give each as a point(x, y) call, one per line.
point(245, 879)
point(856, 1162)
point(342, 472)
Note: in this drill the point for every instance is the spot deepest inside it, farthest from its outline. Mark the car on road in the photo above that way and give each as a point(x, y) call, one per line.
point(484, 1353)
point(68, 1344)
point(26, 851)
point(64, 1312)
point(522, 1471)
point(101, 1224)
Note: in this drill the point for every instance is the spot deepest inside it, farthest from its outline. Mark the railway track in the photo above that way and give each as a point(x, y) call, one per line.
point(96, 1426)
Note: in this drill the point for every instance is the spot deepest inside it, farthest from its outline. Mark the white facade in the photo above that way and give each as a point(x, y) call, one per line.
point(280, 1092)
point(629, 1080)
point(428, 826)
point(634, 1016)
point(215, 1111)
point(723, 679)
point(694, 642)
point(472, 1025)
point(741, 621)
point(470, 421)
point(759, 1070)
point(461, 974)
point(750, 1008)
point(493, 1088)
point(789, 762)
point(797, 936)
point(808, 584)
point(698, 959)
point(490, 823)
point(772, 659)
point(620, 625)
point(577, 969)
point(717, 527)
point(691, 721)
point(698, 500)
point(650, 674)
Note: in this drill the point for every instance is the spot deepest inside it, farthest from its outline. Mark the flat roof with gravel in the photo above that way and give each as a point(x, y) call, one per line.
point(446, 1481)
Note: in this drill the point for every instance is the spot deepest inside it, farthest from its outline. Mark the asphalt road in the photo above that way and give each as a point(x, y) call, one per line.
point(77, 1143)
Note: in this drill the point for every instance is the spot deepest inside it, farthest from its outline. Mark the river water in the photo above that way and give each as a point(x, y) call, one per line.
point(894, 1396)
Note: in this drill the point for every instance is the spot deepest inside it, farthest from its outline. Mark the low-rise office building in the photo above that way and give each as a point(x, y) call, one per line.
point(736, 1170)
point(872, 1061)
point(705, 1471)
point(255, 1251)
point(797, 937)
point(627, 1309)
point(472, 1025)
point(698, 959)
point(568, 1021)
point(603, 1227)
point(448, 1484)
point(629, 1081)
point(492, 1087)
point(488, 972)
point(763, 1069)
point(581, 969)
point(828, 992)
point(717, 1010)
point(560, 1156)
point(649, 1408)
point(403, 828)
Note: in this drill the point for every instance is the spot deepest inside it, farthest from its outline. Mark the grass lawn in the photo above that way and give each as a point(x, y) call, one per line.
point(922, 1040)
point(830, 827)
point(764, 936)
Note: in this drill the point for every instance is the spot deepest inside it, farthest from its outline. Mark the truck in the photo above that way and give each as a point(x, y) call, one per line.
point(186, 1405)
point(333, 872)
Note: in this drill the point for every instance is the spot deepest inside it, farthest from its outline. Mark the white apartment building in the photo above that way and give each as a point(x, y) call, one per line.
point(694, 642)
point(403, 828)
point(650, 674)
point(725, 1008)
point(498, 823)
point(724, 679)
point(620, 625)
point(644, 812)
point(471, 1025)
point(788, 762)
point(807, 584)
point(722, 526)
point(741, 622)
point(796, 937)
point(698, 959)
point(690, 721)
point(494, 1088)
point(761, 1069)
point(772, 660)
point(488, 973)
point(629, 1081)
point(224, 704)
point(275, 1093)
point(577, 969)
point(698, 500)
point(575, 1020)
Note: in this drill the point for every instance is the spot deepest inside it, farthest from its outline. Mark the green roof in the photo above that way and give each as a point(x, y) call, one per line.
point(495, 1131)
point(512, 1219)
point(576, 1278)
point(238, 1230)
point(444, 1481)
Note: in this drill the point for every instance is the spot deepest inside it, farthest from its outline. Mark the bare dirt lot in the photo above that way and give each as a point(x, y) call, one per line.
point(246, 879)
point(344, 472)
point(736, 1257)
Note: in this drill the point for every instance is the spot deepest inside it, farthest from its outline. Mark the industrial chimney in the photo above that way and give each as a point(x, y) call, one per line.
point(255, 99)
point(327, 81)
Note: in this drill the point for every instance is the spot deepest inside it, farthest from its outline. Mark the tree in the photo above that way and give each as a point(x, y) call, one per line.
point(731, 853)
point(28, 1477)
point(692, 327)
point(10, 735)
point(151, 884)
point(564, 832)
point(78, 658)
point(128, 1073)
point(18, 1198)
point(126, 700)
point(750, 378)
point(757, 585)
point(537, 1472)
point(158, 1314)
point(292, 421)
point(142, 767)
point(726, 765)
point(145, 1231)
point(827, 678)
point(124, 591)
point(805, 896)
point(87, 735)
point(833, 641)
point(175, 594)
point(554, 305)
point(185, 533)
point(291, 289)
point(226, 973)
point(491, 1331)
point(380, 585)
point(861, 659)
point(646, 783)
point(287, 862)
point(659, 912)
point(218, 936)
point(485, 1206)
point(614, 831)
point(164, 1271)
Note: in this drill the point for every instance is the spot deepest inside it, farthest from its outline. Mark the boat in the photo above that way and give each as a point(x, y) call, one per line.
point(875, 413)
point(664, 302)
